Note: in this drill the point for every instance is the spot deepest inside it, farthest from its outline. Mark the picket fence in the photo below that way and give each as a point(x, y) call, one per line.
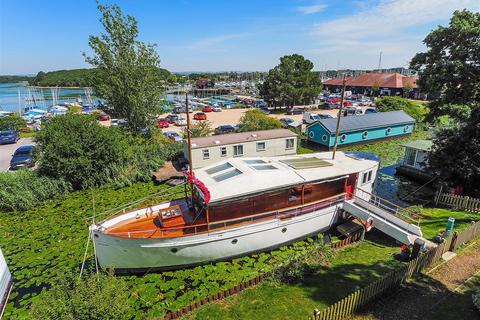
point(348, 305)
point(458, 202)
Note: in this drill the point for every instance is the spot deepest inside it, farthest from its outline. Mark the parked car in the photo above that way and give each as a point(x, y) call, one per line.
point(324, 116)
point(200, 116)
point(224, 129)
point(180, 122)
point(310, 117)
point(103, 117)
point(217, 109)
point(370, 110)
point(286, 122)
point(347, 104)
point(352, 111)
point(265, 110)
point(22, 158)
point(207, 109)
point(9, 136)
point(174, 136)
point(171, 118)
point(178, 110)
point(163, 123)
point(293, 111)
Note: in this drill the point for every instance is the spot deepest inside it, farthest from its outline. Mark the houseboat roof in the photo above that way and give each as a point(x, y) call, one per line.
point(424, 145)
point(241, 137)
point(235, 177)
point(366, 121)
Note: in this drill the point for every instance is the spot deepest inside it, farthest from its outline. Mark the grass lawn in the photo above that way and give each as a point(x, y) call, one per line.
point(27, 134)
point(434, 220)
point(352, 267)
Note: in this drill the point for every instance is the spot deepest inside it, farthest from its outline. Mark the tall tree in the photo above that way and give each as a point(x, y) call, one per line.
point(254, 120)
point(450, 68)
point(291, 82)
point(128, 74)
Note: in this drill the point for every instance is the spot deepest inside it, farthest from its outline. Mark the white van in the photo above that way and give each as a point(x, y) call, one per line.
point(310, 117)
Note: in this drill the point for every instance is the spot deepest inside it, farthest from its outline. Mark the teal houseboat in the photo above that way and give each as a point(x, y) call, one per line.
point(361, 128)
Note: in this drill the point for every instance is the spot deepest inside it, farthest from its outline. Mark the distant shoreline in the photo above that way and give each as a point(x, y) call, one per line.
point(60, 87)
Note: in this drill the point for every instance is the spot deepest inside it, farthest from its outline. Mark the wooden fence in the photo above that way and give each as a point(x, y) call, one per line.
point(458, 202)
point(348, 305)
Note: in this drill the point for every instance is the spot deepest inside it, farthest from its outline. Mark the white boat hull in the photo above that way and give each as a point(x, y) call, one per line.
point(130, 255)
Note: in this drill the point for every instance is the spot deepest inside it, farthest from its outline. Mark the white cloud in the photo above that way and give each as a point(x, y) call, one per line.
point(314, 8)
point(395, 27)
point(209, 42)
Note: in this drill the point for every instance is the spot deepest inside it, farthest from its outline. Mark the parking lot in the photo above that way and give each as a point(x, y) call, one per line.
point(6, 151)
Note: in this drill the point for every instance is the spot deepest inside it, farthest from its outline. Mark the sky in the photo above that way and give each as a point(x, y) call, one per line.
point(227, 35)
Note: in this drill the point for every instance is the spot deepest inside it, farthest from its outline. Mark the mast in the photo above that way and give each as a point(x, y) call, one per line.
point(189, 142)
point(338, 117)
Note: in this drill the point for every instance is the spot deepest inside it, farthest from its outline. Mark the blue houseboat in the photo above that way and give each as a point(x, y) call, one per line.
point(361, 128)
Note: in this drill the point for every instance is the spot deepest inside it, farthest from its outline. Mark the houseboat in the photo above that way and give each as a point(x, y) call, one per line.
point(237, 206)
point(6, 283)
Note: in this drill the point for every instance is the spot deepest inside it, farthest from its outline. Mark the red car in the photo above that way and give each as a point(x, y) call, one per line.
point(347, 104)
point(163, 123)
point(200, 116)
point(207, 109)
point(103, 117)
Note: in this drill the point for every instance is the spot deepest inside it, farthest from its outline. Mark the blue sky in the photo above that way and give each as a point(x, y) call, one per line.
point(215, 35)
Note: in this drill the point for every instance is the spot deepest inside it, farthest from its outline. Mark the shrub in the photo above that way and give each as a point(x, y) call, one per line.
point(476, 300)
point(199, 129)
point(95, 297)
point(12, 122)
point(416, 111)
point(255, 119)
point(25, 188)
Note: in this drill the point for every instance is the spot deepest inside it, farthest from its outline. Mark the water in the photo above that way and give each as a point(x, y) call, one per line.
point(9, 96)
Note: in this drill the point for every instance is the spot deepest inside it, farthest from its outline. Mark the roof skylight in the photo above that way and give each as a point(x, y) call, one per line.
point(227, 175)
point(216, 169)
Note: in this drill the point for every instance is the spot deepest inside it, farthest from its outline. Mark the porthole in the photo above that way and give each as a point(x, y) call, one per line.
point(388, 131)
point(234, 241)
point(311, 134)
point(284, 230)
point(405, 129)
point(174, 250)
point(324, 138)
point(95, 235)
point(365, 134)
point(343, 137)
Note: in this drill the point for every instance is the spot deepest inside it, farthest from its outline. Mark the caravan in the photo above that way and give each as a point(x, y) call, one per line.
point(6, 283)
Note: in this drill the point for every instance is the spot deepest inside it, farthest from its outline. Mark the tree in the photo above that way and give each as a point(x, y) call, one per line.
point(254, 120)
point(450, 69)
point(407, 88)
point(12, 122)
point(199, 129)
point(416, 111)
point(455, 156)
point(95, 297)
point(375, 87)
point(128, 74)
point(291, 82)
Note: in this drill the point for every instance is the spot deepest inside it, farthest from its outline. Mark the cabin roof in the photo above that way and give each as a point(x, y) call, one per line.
point(424, 145)
point(366, 121)
point(241, 137)
point(235, 177)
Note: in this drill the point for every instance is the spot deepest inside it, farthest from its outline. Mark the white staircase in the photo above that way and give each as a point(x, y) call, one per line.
point(386, 216)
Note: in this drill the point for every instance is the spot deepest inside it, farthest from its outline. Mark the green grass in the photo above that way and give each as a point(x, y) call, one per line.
point(434, 220)
point(352, 267)
point(388, 150)
point(27, 134)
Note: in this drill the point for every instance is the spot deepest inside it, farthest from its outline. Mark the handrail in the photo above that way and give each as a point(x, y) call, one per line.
point(276, 213)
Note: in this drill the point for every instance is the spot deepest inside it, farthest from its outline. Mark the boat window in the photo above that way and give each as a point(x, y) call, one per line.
point(206, 154)
point(260, 146)
point(238, 150)
point(264, 167)
point(289, 144)
point(254, 161)
point(367, 177)
point(227, 175)
point(216, 169)
point(223, 151)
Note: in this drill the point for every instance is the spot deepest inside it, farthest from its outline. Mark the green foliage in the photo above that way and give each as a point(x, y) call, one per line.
point(451, 64)
point(254, 120)
point(291, 82)
point(84, 153)
point(127, 73)
point(376, 86)
point(476, 299)
point(64, 78)
point(14, 79)
point(455, 156)
point(25, 188)
point(416, 111)
point(94, 297)
point(12, 122)
point(199, 129)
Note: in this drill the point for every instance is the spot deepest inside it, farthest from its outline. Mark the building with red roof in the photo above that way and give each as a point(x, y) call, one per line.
point(392, 84)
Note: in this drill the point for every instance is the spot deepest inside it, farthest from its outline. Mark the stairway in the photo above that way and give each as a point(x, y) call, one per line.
point(386, 216)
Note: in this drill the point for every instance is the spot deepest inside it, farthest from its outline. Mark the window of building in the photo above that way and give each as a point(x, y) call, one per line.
point(410, 155)
point(367, 177)
point(260, 146)
point(206, 154)
point(343, 137)
point(388, 131)
point(223, 151)
point(311, 134)
point(290, 144)
point(238, 150)
point(365, 134)
point(324, 138)
point(405, 129)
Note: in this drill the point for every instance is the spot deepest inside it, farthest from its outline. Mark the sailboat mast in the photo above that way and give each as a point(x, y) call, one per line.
point(338, 117)
point(189, 142)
